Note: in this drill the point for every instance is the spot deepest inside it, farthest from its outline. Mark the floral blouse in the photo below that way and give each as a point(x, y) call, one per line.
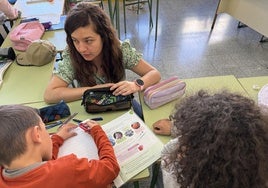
point(64, 69)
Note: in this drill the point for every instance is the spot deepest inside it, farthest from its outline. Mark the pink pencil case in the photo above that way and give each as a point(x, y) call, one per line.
point(164, 92)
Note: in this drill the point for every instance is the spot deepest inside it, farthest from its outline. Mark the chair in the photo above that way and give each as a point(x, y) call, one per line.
point(127, 3)
point(69, 3)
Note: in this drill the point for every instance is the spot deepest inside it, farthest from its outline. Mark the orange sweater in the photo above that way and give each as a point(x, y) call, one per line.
point(69, 171)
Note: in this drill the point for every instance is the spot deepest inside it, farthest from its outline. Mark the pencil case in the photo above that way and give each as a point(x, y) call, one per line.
point(164, 92)
point(54, 112)
point(102, 99)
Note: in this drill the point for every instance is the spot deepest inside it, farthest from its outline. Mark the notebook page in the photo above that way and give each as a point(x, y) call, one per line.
point(73, 145)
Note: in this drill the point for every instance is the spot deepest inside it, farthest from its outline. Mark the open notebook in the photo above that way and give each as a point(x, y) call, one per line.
point(136, 146)
point(4, 64)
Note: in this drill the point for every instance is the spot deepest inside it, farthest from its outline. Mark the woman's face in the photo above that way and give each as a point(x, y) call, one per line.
point(87, 42)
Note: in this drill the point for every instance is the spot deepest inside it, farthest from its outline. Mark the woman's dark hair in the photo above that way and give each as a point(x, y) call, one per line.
point(222, 142)
point(82, 15)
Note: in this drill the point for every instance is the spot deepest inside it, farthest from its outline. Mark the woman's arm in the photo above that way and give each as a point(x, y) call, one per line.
point(58, 90)
point(148, 74)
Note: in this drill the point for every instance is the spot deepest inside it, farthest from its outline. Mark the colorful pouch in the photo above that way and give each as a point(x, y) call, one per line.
point(102, 99)
point(54, 112)
point(164, 92)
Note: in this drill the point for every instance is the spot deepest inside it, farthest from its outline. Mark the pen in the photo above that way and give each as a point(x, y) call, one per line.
point(94, 119)
point(68, 119)
point(51, 125)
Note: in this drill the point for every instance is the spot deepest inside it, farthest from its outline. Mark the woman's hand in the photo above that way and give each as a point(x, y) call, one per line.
point(124, 88)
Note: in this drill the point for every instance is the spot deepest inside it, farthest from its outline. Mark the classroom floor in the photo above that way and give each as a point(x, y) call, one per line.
point(187, 47)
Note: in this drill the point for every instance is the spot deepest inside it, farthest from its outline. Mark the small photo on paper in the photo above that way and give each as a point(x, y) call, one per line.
point(135, 125)
point(118, 135)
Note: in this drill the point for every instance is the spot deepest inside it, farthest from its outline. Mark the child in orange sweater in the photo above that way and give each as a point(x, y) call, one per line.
point(28, 155)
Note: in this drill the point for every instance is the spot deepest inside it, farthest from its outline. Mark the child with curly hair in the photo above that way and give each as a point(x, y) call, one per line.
point(220, 140)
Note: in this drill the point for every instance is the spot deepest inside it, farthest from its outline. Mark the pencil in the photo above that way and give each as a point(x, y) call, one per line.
point(68, 119)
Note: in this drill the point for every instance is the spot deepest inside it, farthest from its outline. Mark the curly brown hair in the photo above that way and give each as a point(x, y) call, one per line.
point(82, 15)
point(223, 142)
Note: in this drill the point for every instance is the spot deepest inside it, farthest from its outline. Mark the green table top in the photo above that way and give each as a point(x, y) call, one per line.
point(252, 85)
point(24, 84)
point(210, 84)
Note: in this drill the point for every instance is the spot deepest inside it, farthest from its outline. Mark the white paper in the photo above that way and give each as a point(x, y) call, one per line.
point(135, 145)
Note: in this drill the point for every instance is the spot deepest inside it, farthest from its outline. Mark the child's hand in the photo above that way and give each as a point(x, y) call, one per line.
point(162, 127)
point(88, 124)
point(66, 131)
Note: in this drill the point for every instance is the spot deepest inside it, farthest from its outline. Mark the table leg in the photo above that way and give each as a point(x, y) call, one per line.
point(215, 16)
point(117, 17)
point(156, 19)
point(110, 6)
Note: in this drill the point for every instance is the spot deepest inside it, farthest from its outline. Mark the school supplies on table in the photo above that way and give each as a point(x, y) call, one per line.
point(68, 119)
point(25, 33)
point(135, 145)
point(102, 99)
point(54, 112)
point(39, 53)
point(164, 92)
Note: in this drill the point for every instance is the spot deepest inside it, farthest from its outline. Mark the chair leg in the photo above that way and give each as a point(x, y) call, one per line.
point(139, 2)
point(1, 39)
point(136, 184)
point(150, 10)
point(156, 20)
point(124, 9)
point(263, 39)
point(155, 169)
point(6, 29)
point(241, 25)
point(101, 4)
point(215, 15)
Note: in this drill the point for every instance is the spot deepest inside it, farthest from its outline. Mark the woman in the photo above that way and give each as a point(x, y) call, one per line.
point(96, 58)
point(221, 141)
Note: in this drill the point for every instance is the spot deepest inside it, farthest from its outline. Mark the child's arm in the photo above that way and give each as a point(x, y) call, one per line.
point(106, 169)
point(64, 133)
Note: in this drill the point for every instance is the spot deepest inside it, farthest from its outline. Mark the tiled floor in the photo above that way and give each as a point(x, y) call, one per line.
point(187, 47)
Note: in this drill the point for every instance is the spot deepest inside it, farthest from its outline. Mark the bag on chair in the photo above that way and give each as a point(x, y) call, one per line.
point(102, 99)
point(164, 92)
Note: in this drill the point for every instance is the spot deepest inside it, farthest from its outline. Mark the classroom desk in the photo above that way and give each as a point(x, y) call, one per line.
point(82, 114)
point(42, 9)
point(253, 13)
point(252, 85)
point(211, 84)
point(24, 84)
